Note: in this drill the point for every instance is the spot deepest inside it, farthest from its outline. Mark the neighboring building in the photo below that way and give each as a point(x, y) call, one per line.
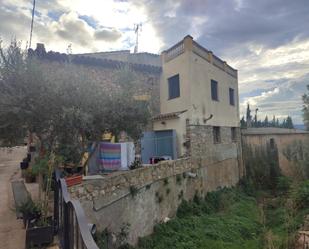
point(104, 67)
point(291, 145)
point(197, 89)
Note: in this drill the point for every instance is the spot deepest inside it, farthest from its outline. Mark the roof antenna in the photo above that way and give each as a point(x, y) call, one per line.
point(137, 30)
point(31, 28)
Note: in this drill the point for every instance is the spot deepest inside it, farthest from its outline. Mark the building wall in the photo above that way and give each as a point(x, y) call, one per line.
point(283, 141)
point(179, 125)
point(224, 114)
point(195, 75)
point(179, 65)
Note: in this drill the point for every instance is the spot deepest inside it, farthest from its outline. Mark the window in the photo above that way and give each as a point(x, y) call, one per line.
point(214, 90)
point(173, 87)
point(232, 96)
point(216, 134)
point(233, 134)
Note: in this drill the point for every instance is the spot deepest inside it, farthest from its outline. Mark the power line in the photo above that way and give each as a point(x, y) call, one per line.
point(31, 28)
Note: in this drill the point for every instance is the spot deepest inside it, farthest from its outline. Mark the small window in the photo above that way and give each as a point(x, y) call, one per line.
point(233, 134)
point(216, 134)
point(214, 90)
point(232, 96)
point(173, 87)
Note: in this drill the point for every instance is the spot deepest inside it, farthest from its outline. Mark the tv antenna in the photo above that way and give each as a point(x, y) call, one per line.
point(31, 28)
point(137, 30)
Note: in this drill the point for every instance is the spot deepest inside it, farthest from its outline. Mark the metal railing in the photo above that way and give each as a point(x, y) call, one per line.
point(69, 219)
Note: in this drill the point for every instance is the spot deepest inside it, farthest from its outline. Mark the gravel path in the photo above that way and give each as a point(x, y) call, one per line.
point(12, 234)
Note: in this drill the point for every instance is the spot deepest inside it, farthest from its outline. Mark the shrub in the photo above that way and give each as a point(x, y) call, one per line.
point(133, 191)
point(302, 194)
point(283, 184)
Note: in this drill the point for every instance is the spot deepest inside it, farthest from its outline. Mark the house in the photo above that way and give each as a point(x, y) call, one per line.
point(196, 89)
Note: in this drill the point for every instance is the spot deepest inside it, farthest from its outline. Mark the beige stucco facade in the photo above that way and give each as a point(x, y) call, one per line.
point(196, 67)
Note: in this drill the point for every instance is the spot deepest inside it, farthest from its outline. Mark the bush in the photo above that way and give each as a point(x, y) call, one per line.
point(283, 184)
point(302, 194)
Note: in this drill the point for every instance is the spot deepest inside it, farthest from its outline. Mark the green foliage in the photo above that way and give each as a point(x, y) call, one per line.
point(29, 207)
point(235, 227)
point(101, 239)
point(133, 191)
point(64, 107)
point(302, 194)
point(283, 184)
point(165, 181)
point(178, 179)
point(262, 166)
point(40, 166)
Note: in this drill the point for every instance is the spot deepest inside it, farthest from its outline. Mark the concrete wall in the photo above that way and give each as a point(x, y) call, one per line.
point(283, 141)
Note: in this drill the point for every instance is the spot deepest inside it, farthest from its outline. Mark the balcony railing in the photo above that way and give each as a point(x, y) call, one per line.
point(69, 219)
point(174, 51)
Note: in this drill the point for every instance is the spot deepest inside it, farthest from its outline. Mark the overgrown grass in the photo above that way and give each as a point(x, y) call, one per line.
point(224, 219)
point(230, 218)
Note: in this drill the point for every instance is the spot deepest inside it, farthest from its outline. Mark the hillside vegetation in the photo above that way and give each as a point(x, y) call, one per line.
point(230, 218)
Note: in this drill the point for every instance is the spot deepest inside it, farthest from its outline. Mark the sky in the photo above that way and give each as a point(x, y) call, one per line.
point(267, 41)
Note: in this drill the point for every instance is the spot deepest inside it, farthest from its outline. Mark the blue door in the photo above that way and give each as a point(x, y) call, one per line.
point(158, 143)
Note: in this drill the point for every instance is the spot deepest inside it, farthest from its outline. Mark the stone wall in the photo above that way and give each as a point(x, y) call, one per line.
point(145, 82)
point(141, 198)
point(284, 142)
point(203, 147)
point(146, 196)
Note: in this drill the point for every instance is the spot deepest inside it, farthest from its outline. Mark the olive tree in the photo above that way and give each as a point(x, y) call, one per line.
point(64, 108)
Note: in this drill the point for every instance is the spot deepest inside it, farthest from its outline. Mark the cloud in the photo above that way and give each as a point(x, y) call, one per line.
point(266, 40)
point(281, 101)
point(107, 35)
point(73, 29)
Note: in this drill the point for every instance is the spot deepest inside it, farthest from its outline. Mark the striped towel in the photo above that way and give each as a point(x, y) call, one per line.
point(110, 156)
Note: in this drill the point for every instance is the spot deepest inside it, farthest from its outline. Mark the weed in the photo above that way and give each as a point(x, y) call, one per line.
point(165, 181)
point(133, 191)
point(178, 179)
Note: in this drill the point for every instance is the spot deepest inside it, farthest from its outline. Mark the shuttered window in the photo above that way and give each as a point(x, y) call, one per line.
point(173, 87)
point(214, 90)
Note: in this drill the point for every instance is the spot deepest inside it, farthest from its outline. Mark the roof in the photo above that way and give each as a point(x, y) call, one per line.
point(126, 56)
point(166, 116)
point(271, 131)
point(92, 61)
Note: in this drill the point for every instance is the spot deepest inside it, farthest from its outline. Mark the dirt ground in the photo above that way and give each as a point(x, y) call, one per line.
point(12, 233)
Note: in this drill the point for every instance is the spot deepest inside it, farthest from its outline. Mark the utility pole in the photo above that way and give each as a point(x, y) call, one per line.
point(137, 29)
point(31, 28)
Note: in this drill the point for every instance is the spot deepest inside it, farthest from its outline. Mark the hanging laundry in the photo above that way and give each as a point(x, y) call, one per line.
point(110, 156)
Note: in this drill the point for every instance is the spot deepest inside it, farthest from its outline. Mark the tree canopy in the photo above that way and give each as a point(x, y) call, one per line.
point(64, 108)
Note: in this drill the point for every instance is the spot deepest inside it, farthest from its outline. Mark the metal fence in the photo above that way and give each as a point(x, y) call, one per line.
point(69, 219)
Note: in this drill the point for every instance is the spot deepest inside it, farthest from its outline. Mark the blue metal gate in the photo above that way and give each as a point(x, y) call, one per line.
point(158, 143)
